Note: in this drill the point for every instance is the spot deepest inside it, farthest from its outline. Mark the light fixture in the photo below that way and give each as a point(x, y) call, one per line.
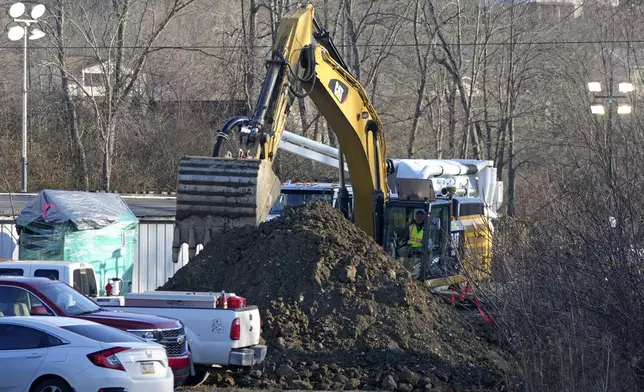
point(37, 11)
point(16, 10)
point(597, 108)
point(36, 34)
point(594, 87)
point(625, 87)
point(16, 33)
point(624, 109)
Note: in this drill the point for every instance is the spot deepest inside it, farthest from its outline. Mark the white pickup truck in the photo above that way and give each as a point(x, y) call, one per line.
point(223, 337)
point(216, 336)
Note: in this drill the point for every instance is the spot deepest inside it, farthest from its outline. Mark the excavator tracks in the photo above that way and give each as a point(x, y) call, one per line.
point(216, 194)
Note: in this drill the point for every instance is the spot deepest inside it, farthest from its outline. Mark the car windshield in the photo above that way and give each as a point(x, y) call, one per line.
point(103, 333)
point(69, 300)
point(297, 198)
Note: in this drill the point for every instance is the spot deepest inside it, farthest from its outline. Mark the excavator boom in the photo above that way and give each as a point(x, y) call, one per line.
point(236, 186)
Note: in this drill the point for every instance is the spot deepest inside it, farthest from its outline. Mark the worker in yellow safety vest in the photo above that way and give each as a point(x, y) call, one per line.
point(416, 229)
point(410, 252)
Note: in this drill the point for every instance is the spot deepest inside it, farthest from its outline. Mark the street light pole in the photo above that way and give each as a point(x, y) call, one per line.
point(609, 136)
point(17, 13)
point(598, 108)
point(23, 159)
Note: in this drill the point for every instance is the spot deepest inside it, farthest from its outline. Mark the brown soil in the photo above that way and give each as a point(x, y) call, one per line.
point(339, 314)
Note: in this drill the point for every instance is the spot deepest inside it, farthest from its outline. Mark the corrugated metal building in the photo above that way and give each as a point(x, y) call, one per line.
point(153, 264)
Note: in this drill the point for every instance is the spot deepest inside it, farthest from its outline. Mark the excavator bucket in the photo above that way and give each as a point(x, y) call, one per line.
point(216, 194)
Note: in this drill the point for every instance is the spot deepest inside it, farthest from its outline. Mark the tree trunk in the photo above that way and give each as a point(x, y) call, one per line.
point(451, 118)
point(441, 129)
point(374, 88)
point(107, 167)
point(420, 93)
point(355, 55)
point(465, 145)
point(439, 141)
point(108, 152)
point(511, 169)
point(332, 141)
point(303, 117)
point(500, 152)
point(316, 129)
point(479, 137)
point(486, 115)
point(249, 55)
point(122, 11)
point(70, 107)
point(252, 52)
point(509, 114)
point(411, 146)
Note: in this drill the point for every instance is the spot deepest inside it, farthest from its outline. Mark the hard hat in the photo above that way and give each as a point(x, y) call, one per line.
point(417, 210)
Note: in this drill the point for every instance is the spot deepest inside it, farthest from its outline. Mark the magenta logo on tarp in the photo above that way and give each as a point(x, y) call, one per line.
point(46, 207)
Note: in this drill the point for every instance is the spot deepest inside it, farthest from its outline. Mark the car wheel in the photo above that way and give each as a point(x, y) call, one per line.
point(201, 375)
point(51, 385)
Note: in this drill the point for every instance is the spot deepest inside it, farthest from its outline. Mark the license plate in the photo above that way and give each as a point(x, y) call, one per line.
point(147, 368)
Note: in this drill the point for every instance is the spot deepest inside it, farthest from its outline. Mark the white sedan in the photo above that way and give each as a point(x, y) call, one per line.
point(60, 354)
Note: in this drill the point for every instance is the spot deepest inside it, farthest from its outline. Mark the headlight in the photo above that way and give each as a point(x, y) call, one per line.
point(147, 335)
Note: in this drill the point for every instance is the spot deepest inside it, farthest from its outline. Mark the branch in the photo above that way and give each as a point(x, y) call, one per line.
point(177, 7)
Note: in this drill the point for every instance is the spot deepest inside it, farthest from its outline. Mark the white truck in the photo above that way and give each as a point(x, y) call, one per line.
point(218, 334)
point(81, 276)
point(471, 178)
point(227, 336)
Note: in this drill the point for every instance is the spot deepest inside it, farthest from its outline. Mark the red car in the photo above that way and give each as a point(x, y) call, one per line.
point(24, 296)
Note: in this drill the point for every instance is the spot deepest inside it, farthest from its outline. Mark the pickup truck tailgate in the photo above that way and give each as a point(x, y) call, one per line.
point(250, 328)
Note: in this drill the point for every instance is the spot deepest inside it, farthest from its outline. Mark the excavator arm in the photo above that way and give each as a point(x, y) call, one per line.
point(237, 187)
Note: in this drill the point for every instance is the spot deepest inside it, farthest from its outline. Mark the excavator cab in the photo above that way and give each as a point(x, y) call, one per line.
point(431, 260)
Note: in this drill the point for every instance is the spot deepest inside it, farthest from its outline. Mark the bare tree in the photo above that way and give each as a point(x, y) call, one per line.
point(121, 66)
point(423, 53)
point(70, 106)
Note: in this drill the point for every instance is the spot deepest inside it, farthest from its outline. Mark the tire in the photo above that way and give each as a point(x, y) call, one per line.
point(201, 375)
point(51, 385)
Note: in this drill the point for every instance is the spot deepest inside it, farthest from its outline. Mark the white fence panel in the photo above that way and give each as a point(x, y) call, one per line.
point(8, 240)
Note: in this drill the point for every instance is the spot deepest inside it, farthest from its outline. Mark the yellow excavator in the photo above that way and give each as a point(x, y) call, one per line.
point(237, 187)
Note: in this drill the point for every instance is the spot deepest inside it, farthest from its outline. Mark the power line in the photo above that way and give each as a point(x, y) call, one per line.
point(189, 47)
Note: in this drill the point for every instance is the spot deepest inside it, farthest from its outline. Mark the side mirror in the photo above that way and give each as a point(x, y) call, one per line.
point(39, 311)
point(436, 222)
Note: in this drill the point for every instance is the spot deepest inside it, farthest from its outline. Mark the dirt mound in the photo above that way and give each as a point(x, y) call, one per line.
point(338, 313)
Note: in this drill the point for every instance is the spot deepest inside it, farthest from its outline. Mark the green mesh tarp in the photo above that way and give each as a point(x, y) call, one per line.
point(96, 228)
